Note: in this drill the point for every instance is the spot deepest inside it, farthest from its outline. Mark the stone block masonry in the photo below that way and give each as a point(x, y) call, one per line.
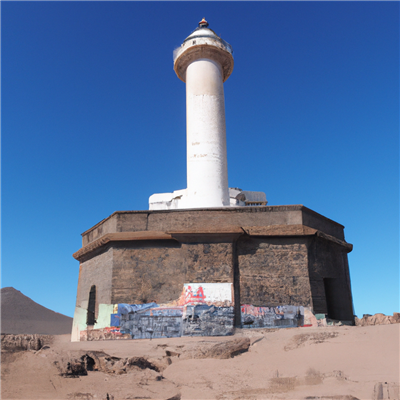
point(270, 255)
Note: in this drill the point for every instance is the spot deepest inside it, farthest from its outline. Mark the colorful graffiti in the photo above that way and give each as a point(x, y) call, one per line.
point(203, 309)
point(152, 322)
point(212, 294)
point(196, 297)
point(271, 317)
point(204, 320)
point(110, 333)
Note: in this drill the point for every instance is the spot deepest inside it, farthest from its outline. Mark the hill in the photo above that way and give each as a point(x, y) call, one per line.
point(20, 314)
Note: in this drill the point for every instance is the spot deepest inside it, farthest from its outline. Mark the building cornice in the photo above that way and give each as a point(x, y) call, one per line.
point(233, 233)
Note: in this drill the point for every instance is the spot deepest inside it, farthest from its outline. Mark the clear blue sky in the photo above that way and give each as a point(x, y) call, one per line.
point(93, 121)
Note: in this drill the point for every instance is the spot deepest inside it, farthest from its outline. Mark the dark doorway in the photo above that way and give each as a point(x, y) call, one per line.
point(330, 297)
point(338, 300)
point(90, 318)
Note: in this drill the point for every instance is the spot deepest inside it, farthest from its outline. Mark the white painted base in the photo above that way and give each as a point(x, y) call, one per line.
point(180, 199)
point(168, 201)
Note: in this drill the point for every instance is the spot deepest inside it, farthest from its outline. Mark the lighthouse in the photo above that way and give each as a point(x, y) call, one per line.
point(204, 62)
point(229, 253)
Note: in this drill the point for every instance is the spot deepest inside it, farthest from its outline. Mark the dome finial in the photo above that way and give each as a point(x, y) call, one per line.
point(203, 23)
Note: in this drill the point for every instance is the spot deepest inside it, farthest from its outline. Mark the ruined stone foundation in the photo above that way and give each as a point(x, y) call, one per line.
point(202, 272)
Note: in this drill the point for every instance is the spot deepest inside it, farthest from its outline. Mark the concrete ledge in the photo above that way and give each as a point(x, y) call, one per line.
point(246, 210)
point(294, 230)
point(120, 236)
point(217, 233)
point(208, 235)
point(235, 230)
point(279, 230)
point(206, 219)
point(348, 246)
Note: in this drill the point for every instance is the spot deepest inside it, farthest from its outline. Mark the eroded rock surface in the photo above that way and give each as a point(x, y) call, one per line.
point(378, 319)
point(103, 362)
point(23, 342)
point(207, 349)
point(79, 365)
point(309, 338)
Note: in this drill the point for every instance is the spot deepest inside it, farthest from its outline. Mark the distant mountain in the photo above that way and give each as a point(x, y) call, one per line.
point(20, 314)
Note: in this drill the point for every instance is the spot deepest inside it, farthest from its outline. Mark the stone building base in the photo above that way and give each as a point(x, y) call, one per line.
point(270, 257)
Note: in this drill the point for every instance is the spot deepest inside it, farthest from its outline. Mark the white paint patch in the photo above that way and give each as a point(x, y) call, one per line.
point(79, 323)
point(208, 293)
point(103, 319)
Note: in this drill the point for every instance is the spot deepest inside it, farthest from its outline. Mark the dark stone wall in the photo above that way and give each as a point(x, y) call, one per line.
point(208, 262)
point(96, 271)
point(267, 271)
point(329, 278)
point(147, 271)
point(273, 271)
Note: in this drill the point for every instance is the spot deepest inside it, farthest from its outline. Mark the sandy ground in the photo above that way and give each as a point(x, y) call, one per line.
point(338, 362)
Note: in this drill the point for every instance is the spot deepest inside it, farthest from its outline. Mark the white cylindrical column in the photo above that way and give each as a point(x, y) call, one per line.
point(204, 62)
point(207, 171)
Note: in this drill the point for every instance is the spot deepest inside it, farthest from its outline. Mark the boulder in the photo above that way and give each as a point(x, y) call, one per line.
point(99, 361)
point(221, 350)
point(71, 368)
point(21, 342)
point(378, 319)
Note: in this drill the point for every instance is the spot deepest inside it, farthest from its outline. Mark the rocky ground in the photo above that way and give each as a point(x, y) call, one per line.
point(334, 362)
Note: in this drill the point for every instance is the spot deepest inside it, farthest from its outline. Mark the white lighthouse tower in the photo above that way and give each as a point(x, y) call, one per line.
point(204, 62)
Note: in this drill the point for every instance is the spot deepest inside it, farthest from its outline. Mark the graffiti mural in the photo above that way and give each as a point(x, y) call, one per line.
point(152, 322)
point(208, 309)
point(204, 320)
point(271, 317)
point(203, 309)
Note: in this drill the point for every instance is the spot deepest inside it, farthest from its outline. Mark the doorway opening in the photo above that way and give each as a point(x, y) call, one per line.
point(90, 318)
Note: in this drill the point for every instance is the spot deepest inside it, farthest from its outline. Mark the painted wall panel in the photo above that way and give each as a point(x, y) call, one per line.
point(142, 326)
point(217, 294)
point(271, 317)
point(203, 309)
point(79, 323)
point(103, 317)
point(204, 320)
